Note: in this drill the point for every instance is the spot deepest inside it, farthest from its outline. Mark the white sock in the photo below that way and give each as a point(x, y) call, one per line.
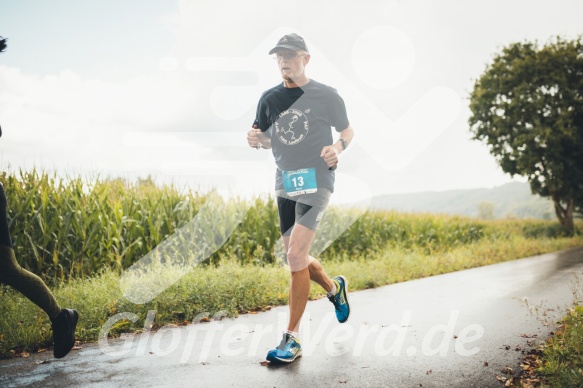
point(333, 292)
point(294, 334)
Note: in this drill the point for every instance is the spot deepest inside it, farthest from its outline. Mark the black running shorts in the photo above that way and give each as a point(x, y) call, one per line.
point(305, 209)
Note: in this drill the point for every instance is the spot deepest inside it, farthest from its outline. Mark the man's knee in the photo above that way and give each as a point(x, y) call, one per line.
point(297, 259)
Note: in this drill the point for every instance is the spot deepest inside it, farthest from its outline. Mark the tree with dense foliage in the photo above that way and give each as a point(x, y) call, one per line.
point(528, 108)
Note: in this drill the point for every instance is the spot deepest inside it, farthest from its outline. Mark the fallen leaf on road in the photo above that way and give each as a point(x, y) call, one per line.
point(500, 378)
point(485, 363)
point(430, 371)
point(76, 348)
point(531, 381)
point(264, 363)
point(529, 336)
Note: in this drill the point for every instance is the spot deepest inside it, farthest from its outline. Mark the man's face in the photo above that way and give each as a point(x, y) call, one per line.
point(291, 64)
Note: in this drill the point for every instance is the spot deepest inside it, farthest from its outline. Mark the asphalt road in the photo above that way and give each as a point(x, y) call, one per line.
point(454, 330)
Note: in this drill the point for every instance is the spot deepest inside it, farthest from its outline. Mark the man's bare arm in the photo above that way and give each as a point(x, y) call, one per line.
point(331, 153)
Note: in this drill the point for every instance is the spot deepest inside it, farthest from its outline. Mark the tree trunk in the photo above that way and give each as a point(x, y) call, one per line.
point(565, 215)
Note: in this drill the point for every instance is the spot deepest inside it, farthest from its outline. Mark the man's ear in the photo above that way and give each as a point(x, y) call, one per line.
point(306, 59)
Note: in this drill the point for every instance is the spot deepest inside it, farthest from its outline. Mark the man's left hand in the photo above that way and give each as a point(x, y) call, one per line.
point(330, 155)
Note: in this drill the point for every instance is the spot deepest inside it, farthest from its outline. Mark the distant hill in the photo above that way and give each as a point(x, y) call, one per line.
point(512, 200)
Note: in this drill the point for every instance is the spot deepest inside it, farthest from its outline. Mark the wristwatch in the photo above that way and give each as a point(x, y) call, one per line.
point(344, 144)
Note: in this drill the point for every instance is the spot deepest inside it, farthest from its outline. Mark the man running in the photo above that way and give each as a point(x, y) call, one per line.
point(295, 119)
point(63, 321)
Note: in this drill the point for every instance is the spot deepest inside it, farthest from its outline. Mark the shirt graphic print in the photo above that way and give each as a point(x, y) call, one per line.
point(292, 126)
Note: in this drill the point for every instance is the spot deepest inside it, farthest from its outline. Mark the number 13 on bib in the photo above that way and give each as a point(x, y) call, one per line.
point(302, 181)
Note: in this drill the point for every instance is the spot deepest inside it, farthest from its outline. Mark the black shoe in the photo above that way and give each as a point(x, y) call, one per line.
point(64, 332)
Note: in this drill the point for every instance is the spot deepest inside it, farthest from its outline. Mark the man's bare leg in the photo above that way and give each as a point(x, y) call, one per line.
point(300, 280)
point(298, 246)
point(318, 275)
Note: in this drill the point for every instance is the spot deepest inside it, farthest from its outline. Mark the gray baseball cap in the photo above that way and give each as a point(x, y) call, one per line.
point(291, 42)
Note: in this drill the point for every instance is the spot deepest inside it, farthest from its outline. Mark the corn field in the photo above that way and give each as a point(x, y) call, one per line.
point(76, 227)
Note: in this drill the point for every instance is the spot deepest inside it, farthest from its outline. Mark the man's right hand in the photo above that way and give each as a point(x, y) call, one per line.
point(254, 138)
point(258, 139)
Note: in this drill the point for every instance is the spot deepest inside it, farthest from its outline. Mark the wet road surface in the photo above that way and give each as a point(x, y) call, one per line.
point(454, 330)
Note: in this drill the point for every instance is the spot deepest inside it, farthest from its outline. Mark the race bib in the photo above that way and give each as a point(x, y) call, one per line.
point(302, 181)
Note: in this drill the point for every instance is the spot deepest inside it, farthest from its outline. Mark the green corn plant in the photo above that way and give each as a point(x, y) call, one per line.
point(74, 227)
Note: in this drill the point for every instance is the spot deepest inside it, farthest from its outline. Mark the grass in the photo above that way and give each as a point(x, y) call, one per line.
point(562, 355)
point(239, 288)
point(558, 361)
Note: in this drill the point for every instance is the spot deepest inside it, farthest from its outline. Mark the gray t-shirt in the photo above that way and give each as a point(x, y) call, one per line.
point(299, 122)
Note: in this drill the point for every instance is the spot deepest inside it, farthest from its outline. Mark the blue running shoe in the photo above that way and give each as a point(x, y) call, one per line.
point(340, 300)
point(288, 350)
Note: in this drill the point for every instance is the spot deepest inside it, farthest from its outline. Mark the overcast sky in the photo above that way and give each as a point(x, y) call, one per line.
point(169, 88)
